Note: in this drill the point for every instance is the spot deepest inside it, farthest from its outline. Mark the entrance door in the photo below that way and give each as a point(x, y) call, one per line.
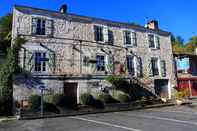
point(70, 90)
point(161, 88)
point(194, 88)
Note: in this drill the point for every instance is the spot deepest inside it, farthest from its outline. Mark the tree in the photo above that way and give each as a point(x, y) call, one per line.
point(192, 44)
point(5, 32)
point(178, 44)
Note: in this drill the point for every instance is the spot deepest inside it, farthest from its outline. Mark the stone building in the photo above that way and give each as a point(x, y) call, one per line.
point(72, 54)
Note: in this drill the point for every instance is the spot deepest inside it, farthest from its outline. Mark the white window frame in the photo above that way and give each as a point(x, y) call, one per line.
point(131, 38)
point(46, 65)
point(155, 40)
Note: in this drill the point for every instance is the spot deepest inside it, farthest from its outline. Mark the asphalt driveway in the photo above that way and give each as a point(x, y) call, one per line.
point(182, 118)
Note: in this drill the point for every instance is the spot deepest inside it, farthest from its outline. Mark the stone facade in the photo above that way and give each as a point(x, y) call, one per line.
point(71, 41)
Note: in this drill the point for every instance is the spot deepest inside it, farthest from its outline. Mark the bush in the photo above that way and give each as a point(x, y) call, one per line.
point(104, 97)
point(51, 108)
point(118, 82)
point(59, 100)
point(34, 102)
point(86, 99)
point(5, 106)
point(121, 96)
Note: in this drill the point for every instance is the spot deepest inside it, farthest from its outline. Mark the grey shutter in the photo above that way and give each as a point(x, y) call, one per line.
point(157, 42)
point(134, 38)
point(95, 33)
point(105, 34)
point(139, 67)
point(28, 60)
point(51, 62)
point(150, 68)
point(49, 27)
point(34, 26)
point(163, 68)
point(109, 63)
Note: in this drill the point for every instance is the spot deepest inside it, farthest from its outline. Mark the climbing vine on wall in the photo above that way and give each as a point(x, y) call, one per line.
point(7, 70)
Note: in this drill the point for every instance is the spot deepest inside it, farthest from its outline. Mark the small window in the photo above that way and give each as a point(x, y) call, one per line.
point(40, 62)
point(100, 63)
point(127, 37)
point(151, 41)
point(155, 67)
point(154, 41)
point(98, 32)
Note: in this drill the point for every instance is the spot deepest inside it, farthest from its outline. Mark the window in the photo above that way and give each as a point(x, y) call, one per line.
point(154, 41)
point(130, 65)
point(100, 63)
point(127, 37)
point(98, 32)
point(110, 37)
point(151, 41)
point(40, 62)
point(155, 67)
point(40, 27)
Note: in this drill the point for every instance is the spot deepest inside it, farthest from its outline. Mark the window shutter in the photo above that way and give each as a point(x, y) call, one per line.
point(29, 60)
point(157, 42)
point(95, 33)
point(150, 68)
point(51, 61)
point(105, 34)
point(139, 67)
point(124, 37)
point(34, 25)
point(109, 63)
point(163, 68)
point(134, 39)
point(49, 27)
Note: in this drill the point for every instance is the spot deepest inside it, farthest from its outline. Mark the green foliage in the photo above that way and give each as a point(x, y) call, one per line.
point(59, 100)
point(8, 69)
point(34, 102)
point(86, 99)
point(104, 97)
point(181, 94)
point(5, 106)
point(120, 96)
point(117, 81)
point(49, 107)
point(5, 32)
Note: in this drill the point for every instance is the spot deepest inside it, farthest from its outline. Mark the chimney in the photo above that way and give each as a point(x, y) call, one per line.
point(153, 24)
point(63, 9)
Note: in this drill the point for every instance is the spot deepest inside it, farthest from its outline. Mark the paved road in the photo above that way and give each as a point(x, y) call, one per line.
point(181, 118)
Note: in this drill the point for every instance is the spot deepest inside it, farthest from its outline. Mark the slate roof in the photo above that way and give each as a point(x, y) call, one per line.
point(85, 19)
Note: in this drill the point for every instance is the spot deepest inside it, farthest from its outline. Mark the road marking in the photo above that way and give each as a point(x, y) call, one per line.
point(106, 124)
point(164, 118)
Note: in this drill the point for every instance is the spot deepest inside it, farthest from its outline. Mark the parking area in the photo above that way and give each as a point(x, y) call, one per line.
point(175, 118)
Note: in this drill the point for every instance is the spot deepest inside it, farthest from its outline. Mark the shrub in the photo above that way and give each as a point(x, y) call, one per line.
point(117, 81)
point(104, 97)
point(51, 108)
point(59, 100)
point(86, 99)
point(5, 106)
point(34, 102)
point(181, 94)
point(121, 96)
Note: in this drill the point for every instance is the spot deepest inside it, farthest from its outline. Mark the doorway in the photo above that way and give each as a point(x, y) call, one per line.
point(161, 87)
point(70, 91)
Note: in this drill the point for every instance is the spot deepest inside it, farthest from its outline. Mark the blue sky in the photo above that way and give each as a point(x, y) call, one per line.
point(176, 16)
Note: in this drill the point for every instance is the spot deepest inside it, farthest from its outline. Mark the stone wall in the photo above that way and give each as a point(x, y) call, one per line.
point(69, 54)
